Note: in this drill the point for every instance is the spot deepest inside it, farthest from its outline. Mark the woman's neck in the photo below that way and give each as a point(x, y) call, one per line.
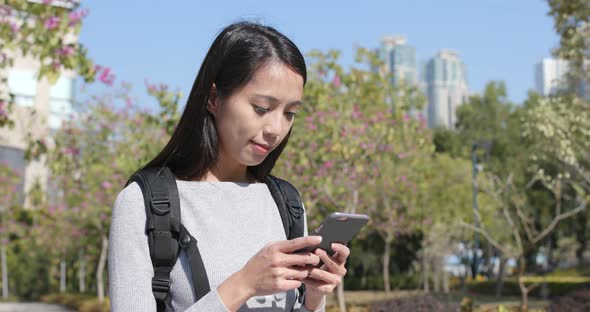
point(224, 173)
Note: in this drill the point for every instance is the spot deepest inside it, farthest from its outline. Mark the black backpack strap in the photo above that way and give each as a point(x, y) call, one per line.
point(290, 208)
point(289, 204)
point(163, 226)
point(198, 273)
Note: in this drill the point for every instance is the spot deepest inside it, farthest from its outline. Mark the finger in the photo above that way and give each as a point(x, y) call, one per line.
point(289, 246)
point(329, 263)
point(300, 260)
point(295, 273)
point(342, 253)
point(287, 284)
point(324, 276)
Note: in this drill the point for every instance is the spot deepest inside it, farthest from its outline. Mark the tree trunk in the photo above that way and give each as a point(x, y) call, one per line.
point(436, 274)
point(581, 236)
point(524, 292)
point(340, 292)
point(82, 272)
point(100, 270)
point(500, 277)
point(425, 269)
point(4, 273)
point(386, 255)
point(490, 260)
point(62, 275)
point(446, 287)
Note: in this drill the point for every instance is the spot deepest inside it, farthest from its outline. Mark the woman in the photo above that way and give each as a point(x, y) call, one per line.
point(235, 125)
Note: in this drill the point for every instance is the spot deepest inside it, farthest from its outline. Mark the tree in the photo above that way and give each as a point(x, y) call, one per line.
point(515, 208)
point(356, 128)
point(97, 150)
point(46, 32)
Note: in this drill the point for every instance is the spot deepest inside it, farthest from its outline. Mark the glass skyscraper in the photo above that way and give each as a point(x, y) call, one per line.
point(445, 85)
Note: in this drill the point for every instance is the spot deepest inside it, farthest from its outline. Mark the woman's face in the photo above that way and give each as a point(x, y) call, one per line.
point(253, 120)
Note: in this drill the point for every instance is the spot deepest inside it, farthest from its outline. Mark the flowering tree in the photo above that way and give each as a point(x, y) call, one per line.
point(357, 148)
point(95, 152)
point(9, 203)
point(46, 32)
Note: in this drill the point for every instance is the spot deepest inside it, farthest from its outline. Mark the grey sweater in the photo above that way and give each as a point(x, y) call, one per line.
point(231, 221)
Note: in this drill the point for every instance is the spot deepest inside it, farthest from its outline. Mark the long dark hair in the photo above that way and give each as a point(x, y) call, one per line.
point(235, 55)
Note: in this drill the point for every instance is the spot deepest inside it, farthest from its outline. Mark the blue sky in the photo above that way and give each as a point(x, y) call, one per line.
point(165, 41)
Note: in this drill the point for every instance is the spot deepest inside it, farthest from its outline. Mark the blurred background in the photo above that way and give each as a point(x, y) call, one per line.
point(461, 127)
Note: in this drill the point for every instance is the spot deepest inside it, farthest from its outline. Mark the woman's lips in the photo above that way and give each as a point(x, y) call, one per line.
point(261, 148)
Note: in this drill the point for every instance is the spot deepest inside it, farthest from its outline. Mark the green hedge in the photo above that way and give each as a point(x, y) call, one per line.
point(401, 281)
point(556, 287)
point(78, 302)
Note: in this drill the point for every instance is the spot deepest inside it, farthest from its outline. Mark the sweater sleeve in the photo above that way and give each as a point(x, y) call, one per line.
point(129, 264)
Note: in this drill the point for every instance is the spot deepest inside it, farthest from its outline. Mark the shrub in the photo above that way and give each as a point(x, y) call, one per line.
point(558, 286)
point(578, 301)
point(422, 303)
point(94, 306)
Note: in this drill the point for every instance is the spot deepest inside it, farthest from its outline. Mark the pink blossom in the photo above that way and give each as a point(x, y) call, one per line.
point(402, 155)
point(56, 64)
point(328, 164)
point(406, 117)
point(103, 217)
point(14, 27)
point(106, 76)
point(312, 127)
point(66, 51)
point(336, 81)
point(402, 178)
point(47, 1)
point(71, 151)
point(76, 16)
point(106, 185)
point(309, 118)
point(52, 22)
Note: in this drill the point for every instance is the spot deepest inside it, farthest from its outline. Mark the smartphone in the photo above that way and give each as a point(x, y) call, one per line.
point(338, 227)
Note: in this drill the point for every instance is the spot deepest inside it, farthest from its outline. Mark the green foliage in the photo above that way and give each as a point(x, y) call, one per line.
point(556, 287)
point(78, 302)
point(46, 33)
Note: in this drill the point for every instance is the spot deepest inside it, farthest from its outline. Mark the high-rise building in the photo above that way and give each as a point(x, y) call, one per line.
point(399, 58)
point(446, 88)
point(38, 109)
point(550, 76)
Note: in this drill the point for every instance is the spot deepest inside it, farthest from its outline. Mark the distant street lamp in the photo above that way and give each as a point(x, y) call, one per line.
point(477, 167)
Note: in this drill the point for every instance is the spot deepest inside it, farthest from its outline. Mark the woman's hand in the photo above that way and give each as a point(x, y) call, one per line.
point(323, 280)
point(275, 268)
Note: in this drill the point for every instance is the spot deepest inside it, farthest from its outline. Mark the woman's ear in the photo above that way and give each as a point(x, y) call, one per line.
point(212, 102)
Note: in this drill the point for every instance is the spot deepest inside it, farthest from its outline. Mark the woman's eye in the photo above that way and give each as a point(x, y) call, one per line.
point(290, 115)
point(260, 110)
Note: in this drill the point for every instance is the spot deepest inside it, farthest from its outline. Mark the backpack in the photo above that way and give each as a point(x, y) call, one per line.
point(167, 236)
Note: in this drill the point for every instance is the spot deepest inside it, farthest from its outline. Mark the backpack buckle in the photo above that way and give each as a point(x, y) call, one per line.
point(161, 206)
point(160, 285)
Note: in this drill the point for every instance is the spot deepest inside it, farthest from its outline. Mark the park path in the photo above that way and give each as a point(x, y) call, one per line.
point(31, 307)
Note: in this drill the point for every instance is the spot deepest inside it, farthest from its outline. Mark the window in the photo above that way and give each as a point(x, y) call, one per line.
point(23, 84)
point(14, 158)
point(60, 101)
